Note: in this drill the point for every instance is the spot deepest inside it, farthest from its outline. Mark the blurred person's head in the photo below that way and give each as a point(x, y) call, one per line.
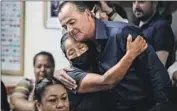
point(99, 12)
point(143, 10)
point(77, 19)
point(44, 65)
point(51, 95)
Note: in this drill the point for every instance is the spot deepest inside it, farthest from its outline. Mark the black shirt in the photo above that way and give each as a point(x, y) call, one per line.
point(159, 34)
point(87, 101)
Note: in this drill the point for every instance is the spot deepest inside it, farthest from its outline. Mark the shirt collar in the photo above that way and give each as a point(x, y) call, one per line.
point(100, 30)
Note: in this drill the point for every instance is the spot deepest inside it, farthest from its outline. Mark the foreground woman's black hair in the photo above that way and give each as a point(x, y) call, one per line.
point(41, 85)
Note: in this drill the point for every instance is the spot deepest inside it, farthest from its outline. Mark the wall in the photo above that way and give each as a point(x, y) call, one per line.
point(37, 38)
point(174, 27)
point(174, 23)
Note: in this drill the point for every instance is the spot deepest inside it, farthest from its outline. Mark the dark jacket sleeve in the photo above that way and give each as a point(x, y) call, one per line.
point(163, 37)
point(149, 66)
point(4, 100)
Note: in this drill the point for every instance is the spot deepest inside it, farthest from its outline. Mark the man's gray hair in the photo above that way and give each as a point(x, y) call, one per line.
point(79, 5)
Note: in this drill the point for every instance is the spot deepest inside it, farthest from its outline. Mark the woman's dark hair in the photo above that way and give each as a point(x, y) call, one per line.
point(44, 53)
point(91, 46)
point(42, 84)
point(64, 37)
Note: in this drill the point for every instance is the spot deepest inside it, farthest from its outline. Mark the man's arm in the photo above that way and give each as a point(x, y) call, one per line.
point(163, 41)
point(19, 99)
point(19, 103)
point(155, 70)
point(92, 82)
point(163, 56)
point(96, 82)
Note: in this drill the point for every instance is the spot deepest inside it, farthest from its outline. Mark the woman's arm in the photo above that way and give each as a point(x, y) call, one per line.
point(19, 103)
point(95, 82)
point(19, 99)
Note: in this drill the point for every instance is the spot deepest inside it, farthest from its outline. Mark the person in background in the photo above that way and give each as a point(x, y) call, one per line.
point(156, 30)
point(51, 95)
point(4, 100)
point(22, 98)
point(106, 10)
point(155, 23)
point(54, 6)
point(165, 11)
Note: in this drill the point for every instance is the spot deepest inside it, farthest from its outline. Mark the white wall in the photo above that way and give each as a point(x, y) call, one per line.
point(37, 38)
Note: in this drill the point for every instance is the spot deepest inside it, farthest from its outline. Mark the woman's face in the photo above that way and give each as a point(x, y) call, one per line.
point(74, 49)
point(43, 67)
point(54, 98)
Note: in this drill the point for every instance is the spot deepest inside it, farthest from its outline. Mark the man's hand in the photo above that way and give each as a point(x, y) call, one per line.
point(62, 76)
point(175, 76)
point(136, 47)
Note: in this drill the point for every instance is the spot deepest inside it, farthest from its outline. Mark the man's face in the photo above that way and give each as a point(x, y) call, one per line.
point(143, 10)
point(75, 22)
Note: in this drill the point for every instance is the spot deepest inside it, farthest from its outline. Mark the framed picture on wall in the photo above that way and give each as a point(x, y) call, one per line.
point(12, 38)
point(50, 14)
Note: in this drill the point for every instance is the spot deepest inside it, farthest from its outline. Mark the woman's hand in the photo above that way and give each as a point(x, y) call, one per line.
point(62, 76)
point(175, 76)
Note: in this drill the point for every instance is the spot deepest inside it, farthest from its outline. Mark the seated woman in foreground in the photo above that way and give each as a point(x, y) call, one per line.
point(22, 96)
point(51, 95)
